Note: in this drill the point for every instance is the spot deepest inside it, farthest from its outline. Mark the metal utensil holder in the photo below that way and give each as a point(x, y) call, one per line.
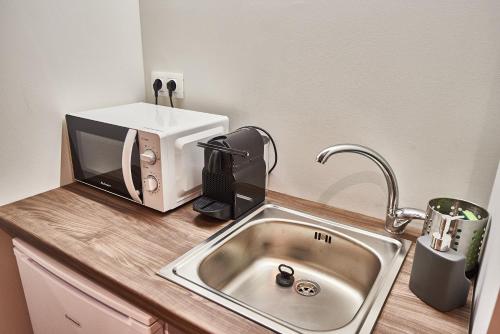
point(466, 235)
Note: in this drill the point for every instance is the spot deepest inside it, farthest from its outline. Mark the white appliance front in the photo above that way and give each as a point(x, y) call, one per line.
point(61, 301)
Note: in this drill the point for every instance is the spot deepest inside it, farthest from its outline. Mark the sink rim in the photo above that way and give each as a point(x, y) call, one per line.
point(362, 321)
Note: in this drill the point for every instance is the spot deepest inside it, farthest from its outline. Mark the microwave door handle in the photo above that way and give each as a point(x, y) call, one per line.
point(128, 146)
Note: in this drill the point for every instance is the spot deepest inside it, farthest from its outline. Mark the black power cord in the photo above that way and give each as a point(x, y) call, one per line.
point(171, 86)
point(272, 142)
point(156, 87)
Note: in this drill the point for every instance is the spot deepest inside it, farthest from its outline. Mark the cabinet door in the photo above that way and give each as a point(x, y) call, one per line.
point(55, 307)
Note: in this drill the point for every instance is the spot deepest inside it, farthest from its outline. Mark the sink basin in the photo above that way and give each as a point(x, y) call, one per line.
point(342, 274)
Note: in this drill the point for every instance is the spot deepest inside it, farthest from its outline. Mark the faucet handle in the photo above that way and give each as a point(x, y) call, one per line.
point(410, 214)
point(402, 217)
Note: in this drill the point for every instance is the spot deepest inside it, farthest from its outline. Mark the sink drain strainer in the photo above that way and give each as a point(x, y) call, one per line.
point(307, 288)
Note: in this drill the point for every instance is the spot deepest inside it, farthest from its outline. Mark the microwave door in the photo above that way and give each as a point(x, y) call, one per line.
point(128, 146)
point(105, 156)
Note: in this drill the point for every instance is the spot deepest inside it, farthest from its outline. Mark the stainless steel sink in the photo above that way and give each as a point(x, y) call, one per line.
point(342, 274)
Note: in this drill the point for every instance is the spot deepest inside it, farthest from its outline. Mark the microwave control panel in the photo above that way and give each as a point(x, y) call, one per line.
point(150, 154)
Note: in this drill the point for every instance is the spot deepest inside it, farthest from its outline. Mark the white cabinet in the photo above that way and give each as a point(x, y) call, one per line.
point(60, 301)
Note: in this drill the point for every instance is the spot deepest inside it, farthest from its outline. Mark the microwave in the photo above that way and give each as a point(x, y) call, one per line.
point(143, 152)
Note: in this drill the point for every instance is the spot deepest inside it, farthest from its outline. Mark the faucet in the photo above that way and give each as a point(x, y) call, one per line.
point(396, 218)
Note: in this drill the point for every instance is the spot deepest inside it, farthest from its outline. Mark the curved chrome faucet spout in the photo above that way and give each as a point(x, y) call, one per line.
point(396, 219)
point(390, 177)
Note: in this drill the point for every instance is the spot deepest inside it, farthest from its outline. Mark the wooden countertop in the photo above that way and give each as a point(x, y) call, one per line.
point(121, 246)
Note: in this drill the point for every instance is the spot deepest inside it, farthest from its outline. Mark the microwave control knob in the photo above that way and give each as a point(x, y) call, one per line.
point(149, 157)
point(151, 183)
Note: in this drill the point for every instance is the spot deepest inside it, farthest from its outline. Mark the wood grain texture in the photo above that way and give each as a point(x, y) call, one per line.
point(121, 246)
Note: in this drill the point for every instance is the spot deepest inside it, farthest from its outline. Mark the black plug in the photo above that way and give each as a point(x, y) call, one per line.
point(171, 86)
point(156, 87)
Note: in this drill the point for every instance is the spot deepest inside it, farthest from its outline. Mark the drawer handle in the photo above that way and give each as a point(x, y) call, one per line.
point(72, 320)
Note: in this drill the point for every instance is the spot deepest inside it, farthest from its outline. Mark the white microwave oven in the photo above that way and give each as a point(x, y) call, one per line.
point(142, 152)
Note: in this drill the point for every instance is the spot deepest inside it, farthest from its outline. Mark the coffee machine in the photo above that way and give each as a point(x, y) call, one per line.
point(234, 174)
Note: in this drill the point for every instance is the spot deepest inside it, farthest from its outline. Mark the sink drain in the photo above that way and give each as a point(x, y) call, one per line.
point(307, 288)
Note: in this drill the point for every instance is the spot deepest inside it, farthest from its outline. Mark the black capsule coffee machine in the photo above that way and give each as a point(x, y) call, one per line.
point(234, 175)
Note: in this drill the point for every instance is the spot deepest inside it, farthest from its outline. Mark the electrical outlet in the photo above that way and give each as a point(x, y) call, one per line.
point(166, 77)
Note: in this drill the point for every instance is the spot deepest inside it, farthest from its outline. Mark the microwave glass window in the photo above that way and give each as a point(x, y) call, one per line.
point(96, 152)
point(100, 155)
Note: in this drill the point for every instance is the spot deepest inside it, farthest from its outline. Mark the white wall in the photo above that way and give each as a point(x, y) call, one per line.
point(56, 56)
point(488, 281)
point(59, 56)
point(417, 81)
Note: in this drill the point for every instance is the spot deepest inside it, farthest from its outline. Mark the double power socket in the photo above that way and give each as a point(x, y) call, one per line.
point(166, 77)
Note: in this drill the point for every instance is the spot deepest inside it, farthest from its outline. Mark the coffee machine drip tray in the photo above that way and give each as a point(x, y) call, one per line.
point(212, 208)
